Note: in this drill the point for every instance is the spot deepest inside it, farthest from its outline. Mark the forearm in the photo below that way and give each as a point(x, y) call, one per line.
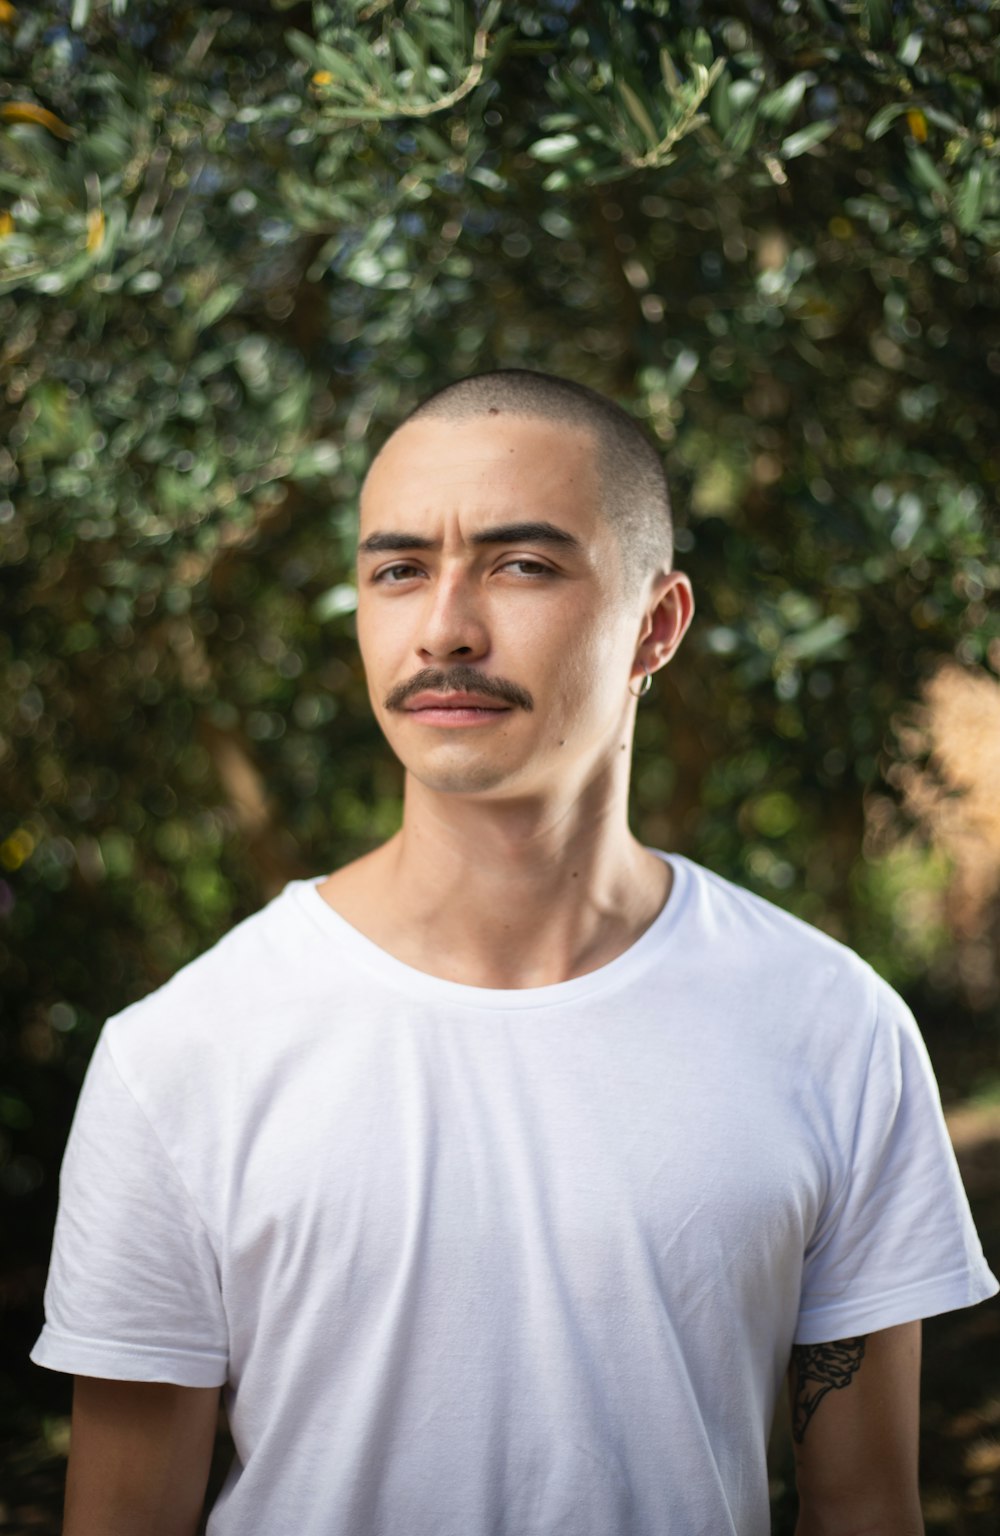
point(139, 1459)
point(909, 1524)
point(855, 1424)
point(854, 1511)
point(110, 1501)
point(117, 1512)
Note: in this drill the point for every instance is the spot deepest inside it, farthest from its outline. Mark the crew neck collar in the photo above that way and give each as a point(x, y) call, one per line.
point(421, 984)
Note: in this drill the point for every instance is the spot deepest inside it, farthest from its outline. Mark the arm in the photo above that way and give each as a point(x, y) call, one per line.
point(855, 1422)
point(139, 1458)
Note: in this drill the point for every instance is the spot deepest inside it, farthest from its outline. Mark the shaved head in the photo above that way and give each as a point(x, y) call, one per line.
point(634, 493)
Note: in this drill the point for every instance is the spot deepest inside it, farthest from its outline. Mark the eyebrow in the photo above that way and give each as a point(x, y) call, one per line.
point(503, 533)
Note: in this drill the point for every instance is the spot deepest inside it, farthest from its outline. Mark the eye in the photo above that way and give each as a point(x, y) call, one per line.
point(392, 575)
point(537, 567)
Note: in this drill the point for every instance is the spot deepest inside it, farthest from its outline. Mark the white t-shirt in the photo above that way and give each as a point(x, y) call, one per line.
point(504, 1263)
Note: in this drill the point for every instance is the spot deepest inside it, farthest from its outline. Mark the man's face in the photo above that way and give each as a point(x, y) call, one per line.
point(495, 633)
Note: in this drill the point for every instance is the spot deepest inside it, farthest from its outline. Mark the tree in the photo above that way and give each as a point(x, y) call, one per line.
point(235, 245)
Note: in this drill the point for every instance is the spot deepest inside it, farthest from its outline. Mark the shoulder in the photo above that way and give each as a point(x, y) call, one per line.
point(222, 1000)
point(797, 992)
point(733, 916)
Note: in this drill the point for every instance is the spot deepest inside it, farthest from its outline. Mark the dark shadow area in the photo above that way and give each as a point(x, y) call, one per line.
point(960, 1440)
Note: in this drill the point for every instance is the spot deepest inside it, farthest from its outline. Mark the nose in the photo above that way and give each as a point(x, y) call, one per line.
point(451, 621)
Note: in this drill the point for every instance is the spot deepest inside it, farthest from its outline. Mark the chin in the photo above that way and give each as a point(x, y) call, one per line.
point(460, 778)
point(463, 768)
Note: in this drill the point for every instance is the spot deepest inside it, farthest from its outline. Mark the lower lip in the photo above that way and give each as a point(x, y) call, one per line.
point(456, 716)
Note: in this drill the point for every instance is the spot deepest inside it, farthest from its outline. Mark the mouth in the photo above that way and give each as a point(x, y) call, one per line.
point(455, 709)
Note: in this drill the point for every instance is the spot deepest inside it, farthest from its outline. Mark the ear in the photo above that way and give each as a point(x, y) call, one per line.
point(665, 622)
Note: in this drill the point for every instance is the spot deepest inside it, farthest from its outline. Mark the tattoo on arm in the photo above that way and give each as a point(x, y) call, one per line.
point(819, 1369)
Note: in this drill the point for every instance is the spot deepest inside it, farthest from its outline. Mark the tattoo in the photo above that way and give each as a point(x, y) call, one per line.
point(819, 1369)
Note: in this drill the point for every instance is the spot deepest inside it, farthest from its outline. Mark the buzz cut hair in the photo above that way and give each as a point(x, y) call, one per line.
point(634, 491)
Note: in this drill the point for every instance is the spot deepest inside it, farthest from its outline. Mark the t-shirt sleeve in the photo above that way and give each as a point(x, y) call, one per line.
point(133, 1290)
point(896, 1242)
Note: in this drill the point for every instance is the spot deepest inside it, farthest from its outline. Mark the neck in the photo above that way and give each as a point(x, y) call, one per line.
point(513, 893)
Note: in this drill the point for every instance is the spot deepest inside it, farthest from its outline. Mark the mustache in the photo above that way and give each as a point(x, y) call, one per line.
point(459, 679)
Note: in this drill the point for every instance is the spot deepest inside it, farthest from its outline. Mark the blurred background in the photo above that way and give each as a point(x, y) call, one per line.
point(238, 243)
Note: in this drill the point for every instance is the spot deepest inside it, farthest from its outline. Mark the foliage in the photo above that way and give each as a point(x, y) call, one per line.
point(235, 245)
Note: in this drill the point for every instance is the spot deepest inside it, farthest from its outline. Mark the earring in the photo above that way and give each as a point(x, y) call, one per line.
point(644, 686)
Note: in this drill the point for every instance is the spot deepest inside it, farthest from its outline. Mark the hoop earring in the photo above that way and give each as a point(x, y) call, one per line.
point(644, 686)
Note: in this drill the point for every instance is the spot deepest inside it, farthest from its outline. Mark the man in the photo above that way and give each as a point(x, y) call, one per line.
point(499, 1176)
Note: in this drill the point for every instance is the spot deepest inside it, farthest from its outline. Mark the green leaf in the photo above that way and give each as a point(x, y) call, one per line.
point(740, 136)
point(595, 106)
point(335, 602)
point(876, 17)
point(805, 138)
point(820, 638)
point(970, 199)
point(582, 168)
point(484, 177)
point(671, 78)
point(720, 105)
point(558, 147)
point(322, 56)
point(681, 372)
point(925, 171)
point(413, 57)
point(315, 461)
point(910, 52)
point(217, 304)
point(742, 93)
point(942, 119)
point(638, 113)
point(702, 51)
point(782, 104)
point(884, 118)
